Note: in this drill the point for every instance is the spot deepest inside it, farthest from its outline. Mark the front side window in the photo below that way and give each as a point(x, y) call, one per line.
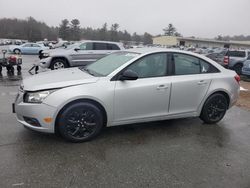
point(186, 64)
point(35, 45)
point(154, 65)
point(86, 46)
point(27, 45)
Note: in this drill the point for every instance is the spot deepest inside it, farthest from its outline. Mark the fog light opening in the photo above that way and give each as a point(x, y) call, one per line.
point(32, 121)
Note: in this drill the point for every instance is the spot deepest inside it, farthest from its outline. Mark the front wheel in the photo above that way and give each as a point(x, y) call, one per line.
point(17, 51)
point(80, 122)
point(214, 108)
point(58, 64)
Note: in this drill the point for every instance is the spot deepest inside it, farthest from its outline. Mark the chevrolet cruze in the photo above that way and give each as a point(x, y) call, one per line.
point(138, 85)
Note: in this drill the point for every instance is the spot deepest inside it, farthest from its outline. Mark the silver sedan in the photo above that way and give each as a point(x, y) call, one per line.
point(138, 85)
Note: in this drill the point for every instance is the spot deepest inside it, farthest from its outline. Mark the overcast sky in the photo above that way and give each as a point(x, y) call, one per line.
point(200, 18)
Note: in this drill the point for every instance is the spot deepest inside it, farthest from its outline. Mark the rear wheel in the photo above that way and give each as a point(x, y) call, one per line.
point(80, 122)
point(238, 68)
point(214, 108)
point(58, 64)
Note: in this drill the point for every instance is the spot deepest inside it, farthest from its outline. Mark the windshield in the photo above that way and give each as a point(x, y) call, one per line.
point(108, 64)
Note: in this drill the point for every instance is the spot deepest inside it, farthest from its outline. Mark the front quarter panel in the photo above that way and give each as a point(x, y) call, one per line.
point(101, 92)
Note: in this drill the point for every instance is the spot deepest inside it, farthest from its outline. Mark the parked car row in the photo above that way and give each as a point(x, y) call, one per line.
point(236, 60)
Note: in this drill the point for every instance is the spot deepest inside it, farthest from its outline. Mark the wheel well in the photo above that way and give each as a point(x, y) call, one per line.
point(225, 95)
point(238, 63)
point(104, 113)
point(62, 58)
point(17, 49)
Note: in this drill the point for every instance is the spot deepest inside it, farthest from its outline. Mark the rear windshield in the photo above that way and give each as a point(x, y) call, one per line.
point(236, 53)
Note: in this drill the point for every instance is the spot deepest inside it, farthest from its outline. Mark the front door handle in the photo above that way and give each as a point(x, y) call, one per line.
point(162, 87)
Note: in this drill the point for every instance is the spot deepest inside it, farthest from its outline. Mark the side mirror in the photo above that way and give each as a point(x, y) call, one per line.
point(128, 75)
point(77, 49)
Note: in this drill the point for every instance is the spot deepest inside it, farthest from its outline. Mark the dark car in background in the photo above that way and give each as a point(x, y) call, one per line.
point(246, 67)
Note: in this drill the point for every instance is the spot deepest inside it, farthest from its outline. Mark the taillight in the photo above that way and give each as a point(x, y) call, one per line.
point(226, 60)
point(237, 78)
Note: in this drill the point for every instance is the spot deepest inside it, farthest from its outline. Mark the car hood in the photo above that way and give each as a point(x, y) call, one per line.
point(57, 79)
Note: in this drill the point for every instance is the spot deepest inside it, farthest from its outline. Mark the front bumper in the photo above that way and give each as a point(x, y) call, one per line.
point(36, 111)
point(245, 72)
point(45, 63)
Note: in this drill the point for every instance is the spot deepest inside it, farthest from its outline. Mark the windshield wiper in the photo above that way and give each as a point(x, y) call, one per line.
point(87, 70)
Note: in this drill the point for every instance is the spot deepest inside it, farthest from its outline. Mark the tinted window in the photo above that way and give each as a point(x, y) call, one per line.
point(112, 47)
point(100, 46)
point(236, 53)
point(35, 45)
point(27, 45)
point(186, 64)
point(154, 65)
point(248, 57)
point(86, 46)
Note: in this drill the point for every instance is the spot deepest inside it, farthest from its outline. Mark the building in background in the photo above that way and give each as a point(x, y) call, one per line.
point(168, 41)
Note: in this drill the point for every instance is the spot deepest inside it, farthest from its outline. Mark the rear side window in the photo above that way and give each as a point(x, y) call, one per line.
point(187, 64)
point(248, 57)
point(236, 53)
point(112, 47)
point(100, 46)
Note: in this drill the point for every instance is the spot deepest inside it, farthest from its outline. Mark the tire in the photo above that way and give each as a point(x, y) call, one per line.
point(214, 109)
point(238, 68)
point(17, 51)
point(80, 122)
point(1, 69)
point(58, 64)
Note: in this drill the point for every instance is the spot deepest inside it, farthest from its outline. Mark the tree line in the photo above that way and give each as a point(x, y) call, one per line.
point(32, 30)
point(71, 30)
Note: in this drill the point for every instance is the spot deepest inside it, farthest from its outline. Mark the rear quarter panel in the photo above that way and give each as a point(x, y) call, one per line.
point(223, 82)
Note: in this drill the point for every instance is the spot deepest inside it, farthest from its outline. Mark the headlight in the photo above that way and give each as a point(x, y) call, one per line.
point(45, 54)
point(37, 97)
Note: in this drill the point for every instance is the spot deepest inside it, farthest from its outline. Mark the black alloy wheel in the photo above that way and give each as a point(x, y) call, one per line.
point(80, 122)
point(214, 108)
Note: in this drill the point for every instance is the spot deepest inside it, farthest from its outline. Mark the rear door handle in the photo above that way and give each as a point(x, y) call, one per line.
point(202, 82)
point(162, 87)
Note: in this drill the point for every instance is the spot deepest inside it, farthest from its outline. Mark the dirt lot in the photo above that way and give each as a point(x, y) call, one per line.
point(244, 100)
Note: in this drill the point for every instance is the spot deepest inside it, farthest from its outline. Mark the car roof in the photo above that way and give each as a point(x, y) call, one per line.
point(156, 49)
point(100, 41)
